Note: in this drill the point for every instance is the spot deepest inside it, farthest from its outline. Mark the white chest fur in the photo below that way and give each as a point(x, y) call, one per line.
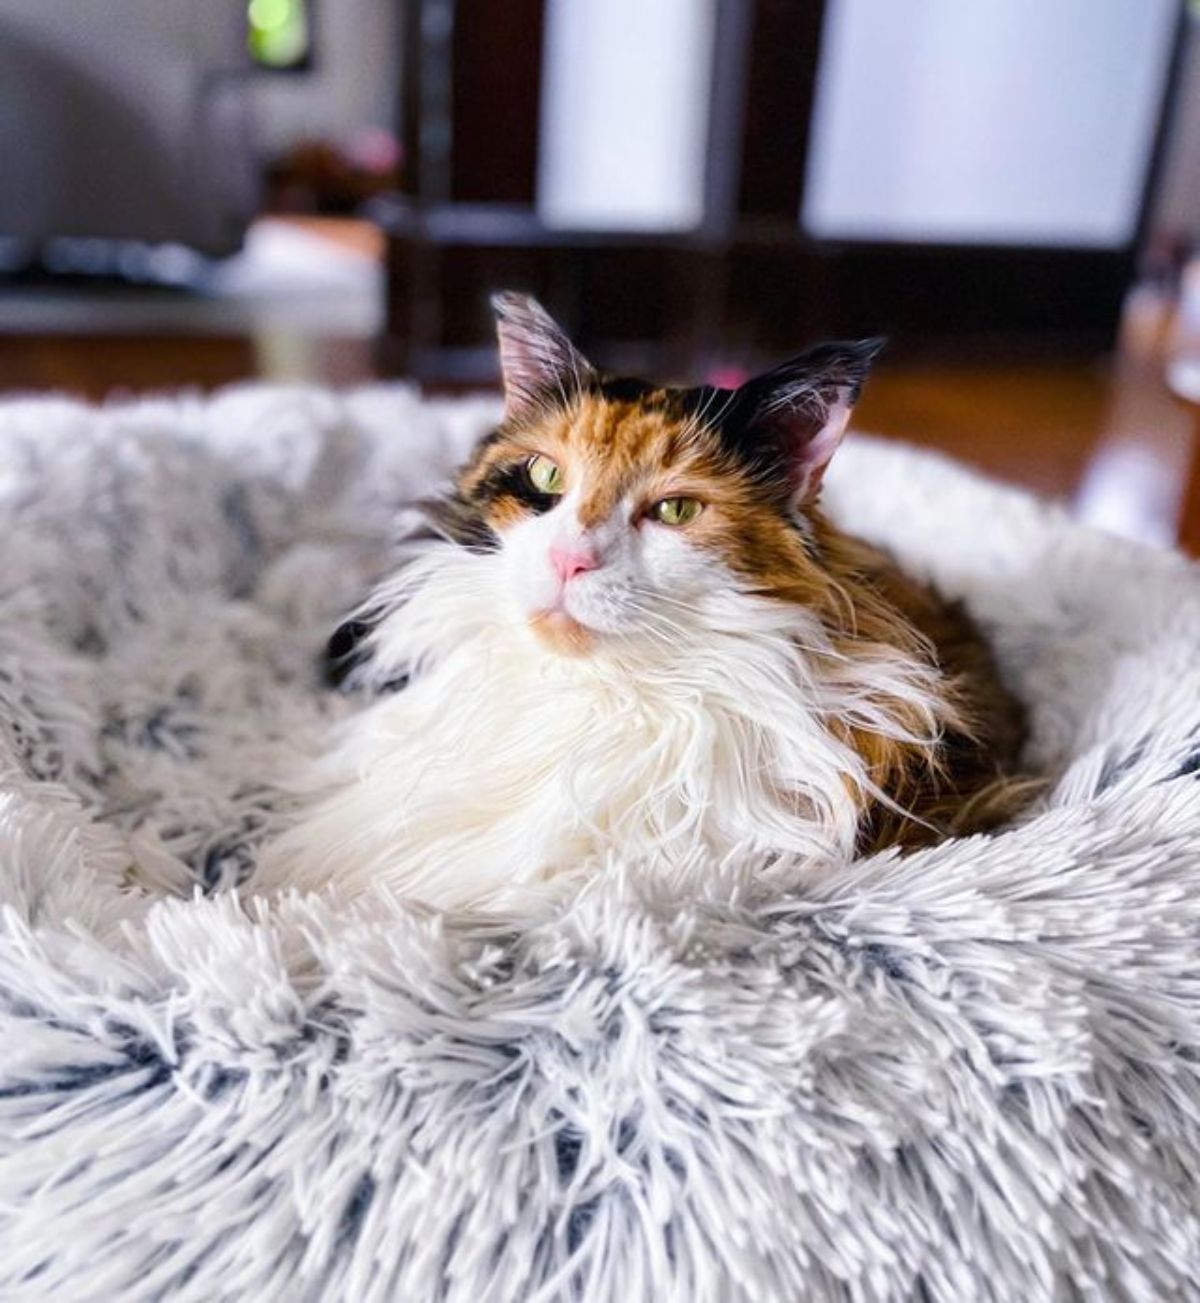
point(504, 764)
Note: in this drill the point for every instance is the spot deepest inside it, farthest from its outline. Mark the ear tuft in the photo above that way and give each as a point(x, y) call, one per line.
point(538, 362)
point(797, 413)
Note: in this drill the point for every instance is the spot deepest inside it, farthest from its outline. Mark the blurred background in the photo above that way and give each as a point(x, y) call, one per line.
point(198, 192)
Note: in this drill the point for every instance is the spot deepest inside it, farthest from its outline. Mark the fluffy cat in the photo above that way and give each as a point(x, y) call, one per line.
point(635, 636)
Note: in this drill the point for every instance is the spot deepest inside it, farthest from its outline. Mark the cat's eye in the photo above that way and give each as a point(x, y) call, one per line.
point(676, 511)
point(545, 475)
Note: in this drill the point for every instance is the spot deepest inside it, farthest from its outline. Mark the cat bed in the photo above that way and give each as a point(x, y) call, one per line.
point(972, 1073)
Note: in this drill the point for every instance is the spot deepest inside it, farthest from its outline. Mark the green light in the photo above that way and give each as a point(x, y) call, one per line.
point(267, 15)
point(278, 32)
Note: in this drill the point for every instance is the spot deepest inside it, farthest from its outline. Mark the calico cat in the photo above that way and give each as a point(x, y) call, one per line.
point(636, 637)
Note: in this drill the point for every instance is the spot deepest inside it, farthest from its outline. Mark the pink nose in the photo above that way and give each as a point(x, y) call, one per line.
point(571, 561)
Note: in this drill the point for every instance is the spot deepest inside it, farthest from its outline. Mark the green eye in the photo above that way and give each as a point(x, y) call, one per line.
point(544, 475)
point(677, 511)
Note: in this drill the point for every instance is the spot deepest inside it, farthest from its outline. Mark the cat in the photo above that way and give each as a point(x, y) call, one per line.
point(634, 636)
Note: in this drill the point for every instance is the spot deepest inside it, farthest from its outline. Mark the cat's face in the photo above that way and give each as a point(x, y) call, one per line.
point(622, 510)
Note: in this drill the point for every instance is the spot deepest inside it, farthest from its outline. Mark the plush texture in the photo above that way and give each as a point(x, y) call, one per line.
point(972, 1073)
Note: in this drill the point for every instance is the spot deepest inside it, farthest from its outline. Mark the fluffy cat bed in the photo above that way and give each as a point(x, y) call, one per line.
point(973, 1073)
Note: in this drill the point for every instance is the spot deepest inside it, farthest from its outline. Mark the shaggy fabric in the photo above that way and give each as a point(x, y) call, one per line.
point(969, 1074)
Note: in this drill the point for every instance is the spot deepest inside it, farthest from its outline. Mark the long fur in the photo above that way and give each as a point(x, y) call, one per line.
point(503, 763)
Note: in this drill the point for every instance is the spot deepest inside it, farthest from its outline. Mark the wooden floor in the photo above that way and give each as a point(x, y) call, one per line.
point(100, 367)
point(1105, 435)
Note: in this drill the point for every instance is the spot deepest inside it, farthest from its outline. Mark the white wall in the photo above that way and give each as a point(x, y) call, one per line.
point(1011, 121)
point(125, 120)
point(624, 121)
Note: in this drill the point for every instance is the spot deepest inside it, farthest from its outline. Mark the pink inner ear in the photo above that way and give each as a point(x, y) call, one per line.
point(816, 452)
point(520, 371)
point(536, 358)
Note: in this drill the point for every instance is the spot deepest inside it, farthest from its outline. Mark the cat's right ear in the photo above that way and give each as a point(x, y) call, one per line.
point(539, 363)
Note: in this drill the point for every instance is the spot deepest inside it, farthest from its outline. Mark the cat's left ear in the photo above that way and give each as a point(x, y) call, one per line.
point(797, 414)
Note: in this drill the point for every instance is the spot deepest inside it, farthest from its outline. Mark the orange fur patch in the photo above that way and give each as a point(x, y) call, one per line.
point(562, 634)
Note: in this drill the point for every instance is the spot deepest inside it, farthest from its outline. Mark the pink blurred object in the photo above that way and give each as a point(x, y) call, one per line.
point(727, 377)
point(374, 150)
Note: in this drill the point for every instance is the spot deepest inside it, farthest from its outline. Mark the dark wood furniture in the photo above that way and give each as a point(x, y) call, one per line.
point(746, 277)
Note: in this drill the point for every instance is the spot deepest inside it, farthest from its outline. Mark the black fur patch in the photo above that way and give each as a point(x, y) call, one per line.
point(345, 652)
point(627, 389)
point(460, 520)
point(765, 419)
point(511, 480)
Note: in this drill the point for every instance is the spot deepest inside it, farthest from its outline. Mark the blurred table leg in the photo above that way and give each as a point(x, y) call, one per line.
point(1189, 525)
point(1183, 372)
point(1135, 479)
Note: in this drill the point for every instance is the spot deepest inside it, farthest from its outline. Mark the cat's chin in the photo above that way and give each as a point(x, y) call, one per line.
point(562, 633)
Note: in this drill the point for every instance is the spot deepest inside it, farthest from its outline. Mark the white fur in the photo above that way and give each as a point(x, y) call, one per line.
point(697, 731)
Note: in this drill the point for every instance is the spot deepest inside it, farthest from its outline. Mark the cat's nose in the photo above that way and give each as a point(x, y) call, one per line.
point(571, 561)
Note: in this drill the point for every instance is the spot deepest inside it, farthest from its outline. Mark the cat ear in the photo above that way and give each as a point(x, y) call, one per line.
point(537, 360)
point(798, 413)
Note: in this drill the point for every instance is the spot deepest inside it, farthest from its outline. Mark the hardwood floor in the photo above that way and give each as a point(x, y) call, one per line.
point(1106, 435)
point(100, 367)
point(1034, 424)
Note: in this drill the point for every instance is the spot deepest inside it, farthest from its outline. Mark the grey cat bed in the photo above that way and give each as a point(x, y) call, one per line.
point(973, 1073)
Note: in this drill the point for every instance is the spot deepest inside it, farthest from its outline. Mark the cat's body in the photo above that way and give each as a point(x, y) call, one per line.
point(639, 639)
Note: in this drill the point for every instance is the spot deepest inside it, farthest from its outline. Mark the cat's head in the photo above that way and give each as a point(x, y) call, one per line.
point(623, 509)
